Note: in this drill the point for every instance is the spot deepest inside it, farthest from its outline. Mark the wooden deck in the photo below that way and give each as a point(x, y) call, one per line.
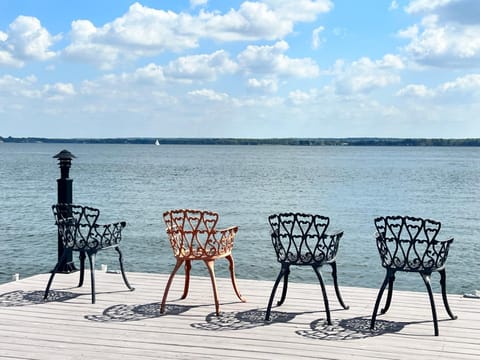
point(128, 325)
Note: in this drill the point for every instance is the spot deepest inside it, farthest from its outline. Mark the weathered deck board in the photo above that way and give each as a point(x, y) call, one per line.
point(126, 325)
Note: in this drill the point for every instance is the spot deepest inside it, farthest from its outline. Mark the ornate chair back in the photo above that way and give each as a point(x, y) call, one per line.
point(408, 243)
point(193, 235)
point(300, 239)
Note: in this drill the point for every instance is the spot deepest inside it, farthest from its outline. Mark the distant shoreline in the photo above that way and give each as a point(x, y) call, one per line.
point(360, 141)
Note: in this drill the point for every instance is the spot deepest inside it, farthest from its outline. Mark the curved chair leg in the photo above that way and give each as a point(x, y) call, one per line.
point(379, 298)
point(82, 268)
point(274, 290)
point(122, 270)
point(211, 270)
point(391, 280)
point(335, 283)
point(286, 272)
point(426, 280)
point(188, 266)
point(443, 284)
point(324, 292)
point(91, 258)
point(169, 283)
point(50, 280)
point(232, 276)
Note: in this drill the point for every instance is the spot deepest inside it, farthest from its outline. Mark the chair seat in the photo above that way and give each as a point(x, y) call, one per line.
point(412, 265)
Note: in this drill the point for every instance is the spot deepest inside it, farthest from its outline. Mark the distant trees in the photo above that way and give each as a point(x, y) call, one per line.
point(248, 141)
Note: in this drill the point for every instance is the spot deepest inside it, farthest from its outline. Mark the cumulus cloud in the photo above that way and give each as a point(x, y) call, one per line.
point(25, 40)
point(448, 35)
point(266, 85)
point(415, 90)
point(460, 90)
point(144, 31)
point(201, 67)
point(208, 94)
point(365, 75)
point(272, 60)
point(58, 91)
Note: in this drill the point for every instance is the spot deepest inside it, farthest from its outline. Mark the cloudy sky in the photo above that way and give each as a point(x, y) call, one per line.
point(259, 69)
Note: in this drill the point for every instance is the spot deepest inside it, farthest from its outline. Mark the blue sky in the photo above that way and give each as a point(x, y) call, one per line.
point(259, 69)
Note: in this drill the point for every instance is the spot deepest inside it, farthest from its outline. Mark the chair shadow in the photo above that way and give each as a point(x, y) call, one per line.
point(22, 298)
point(350, 329)
point(242, 320)
point(124, 312)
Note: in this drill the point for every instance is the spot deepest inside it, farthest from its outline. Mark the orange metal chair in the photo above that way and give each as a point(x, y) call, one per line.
point(193, 236)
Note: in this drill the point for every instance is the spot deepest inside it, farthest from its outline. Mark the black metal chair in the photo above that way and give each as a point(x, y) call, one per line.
point(78, 229)
point(301, 239)
point(409, 244)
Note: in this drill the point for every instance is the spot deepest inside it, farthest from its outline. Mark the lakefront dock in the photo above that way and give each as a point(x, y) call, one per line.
point(128, 325)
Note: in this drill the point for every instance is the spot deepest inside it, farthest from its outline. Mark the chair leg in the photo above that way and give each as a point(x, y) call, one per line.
point(54, 271)
point(91, 258)
point(391, 280)
point(234, 280)
point(188, 266)
point(286, 273)
point(211, 270)
point(443, 284)
point(379, 298)
point(426, 280)
point(82, 268)
point(274, 290)
point(335, 283)
point(169, 283)
point(324, 292)
point(122, 270)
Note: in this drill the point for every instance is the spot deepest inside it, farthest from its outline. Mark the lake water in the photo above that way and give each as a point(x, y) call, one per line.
point(244, 184)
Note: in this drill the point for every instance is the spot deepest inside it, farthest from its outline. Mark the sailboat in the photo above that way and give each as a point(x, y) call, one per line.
point(157, 142)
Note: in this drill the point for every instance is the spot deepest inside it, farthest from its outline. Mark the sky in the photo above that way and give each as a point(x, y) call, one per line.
point(240, 69)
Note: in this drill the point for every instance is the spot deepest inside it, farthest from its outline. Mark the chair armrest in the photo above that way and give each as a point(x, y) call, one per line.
point(335, 233)
point(227, 236)
point(109, 234)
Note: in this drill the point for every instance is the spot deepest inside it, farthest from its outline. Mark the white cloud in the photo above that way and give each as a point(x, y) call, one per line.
point(448, 35)
point(25, 40)
point(267, 85)
point(393, 5)
point(365, 75)
point(466, 84)
point(299, 97)
point(209, 95)
point(195, 3)
point(416, 90)
point(58, 91)
point(460, 90)
point(300, 10)
point(201, 67)
point(316, 39)
point(18, 87)
point(144, 31)
point(271, 60)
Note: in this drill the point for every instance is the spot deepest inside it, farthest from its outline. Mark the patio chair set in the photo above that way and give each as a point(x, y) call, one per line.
point(404, 243)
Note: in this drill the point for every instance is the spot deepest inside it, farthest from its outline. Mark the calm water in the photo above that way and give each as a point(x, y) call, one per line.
point(244, 184)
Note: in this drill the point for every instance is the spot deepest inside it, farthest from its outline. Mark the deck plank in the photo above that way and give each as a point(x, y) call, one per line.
point(126, 325)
